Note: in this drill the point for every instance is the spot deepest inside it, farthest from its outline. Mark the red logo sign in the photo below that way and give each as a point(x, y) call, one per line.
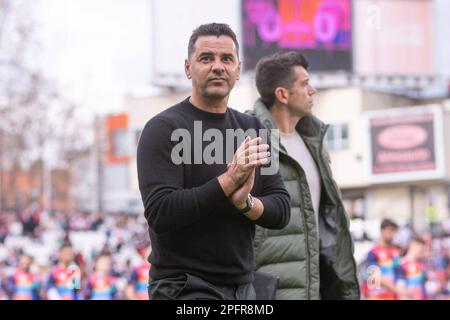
point(402, 137)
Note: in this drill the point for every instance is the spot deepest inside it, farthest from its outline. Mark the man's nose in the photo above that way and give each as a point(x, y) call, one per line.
point(218, 66)
point(312, 90)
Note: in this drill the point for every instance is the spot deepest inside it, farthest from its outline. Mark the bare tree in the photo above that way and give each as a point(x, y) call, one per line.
point(38, 125)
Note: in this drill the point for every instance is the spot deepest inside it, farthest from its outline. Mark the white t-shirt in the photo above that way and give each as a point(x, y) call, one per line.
point(297, 149)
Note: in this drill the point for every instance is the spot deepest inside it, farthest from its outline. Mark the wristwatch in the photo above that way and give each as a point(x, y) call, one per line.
point(249, 204)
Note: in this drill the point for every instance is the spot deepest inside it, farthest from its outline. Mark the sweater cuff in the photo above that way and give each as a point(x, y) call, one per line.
point(269, 217)
point(211, 194)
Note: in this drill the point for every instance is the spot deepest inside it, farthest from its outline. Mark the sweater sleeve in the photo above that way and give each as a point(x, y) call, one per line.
point(275, 198)
point(168, 206)
point(276, 201)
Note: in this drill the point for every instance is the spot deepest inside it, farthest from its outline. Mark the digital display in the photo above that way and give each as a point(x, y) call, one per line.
point(321, 29)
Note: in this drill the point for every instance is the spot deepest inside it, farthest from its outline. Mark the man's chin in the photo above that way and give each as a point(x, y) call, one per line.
point(217, 93)
point(306, 113)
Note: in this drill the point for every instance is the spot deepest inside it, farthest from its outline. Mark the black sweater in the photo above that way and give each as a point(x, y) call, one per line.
point(194, 228)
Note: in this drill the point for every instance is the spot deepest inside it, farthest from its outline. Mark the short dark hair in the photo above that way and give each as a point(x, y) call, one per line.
point(65, 244)
point(388, 223)
point(211, 29)
point(103, 253)
point(276, 71)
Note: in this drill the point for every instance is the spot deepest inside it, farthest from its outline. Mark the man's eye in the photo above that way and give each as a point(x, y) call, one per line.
point(228, 59)
point(205, 58)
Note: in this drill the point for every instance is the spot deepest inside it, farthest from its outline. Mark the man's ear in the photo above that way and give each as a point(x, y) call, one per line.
point(281, 94)
point(187, 68)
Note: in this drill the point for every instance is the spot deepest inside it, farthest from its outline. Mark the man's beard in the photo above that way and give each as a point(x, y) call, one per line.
point(216, 94)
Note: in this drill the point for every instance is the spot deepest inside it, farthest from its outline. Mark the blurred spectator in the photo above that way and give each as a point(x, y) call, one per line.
point(101, 285)
point(23, 284)
point(30, 219)
point(97, 222)
point(412, 276)
point(382, 264)
point(64, 280)
point(439, 269)
point(137, 288)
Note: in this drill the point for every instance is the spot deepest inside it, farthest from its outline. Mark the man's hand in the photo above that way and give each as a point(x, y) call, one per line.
point(239, 197)
point(247, 157)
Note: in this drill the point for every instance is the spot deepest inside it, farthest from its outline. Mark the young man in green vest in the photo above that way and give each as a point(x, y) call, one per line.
point(313, 255)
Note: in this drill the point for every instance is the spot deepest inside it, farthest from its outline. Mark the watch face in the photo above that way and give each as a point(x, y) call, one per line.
point(250, 200)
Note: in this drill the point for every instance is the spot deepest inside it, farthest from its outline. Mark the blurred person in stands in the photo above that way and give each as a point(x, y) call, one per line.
point(137, 288)
point(412, 276)
point(30, 219)
point(101, 284)
point(97, 221)
point(64, 279)
point(24, 283)
point(382, 266)
point(438, 269)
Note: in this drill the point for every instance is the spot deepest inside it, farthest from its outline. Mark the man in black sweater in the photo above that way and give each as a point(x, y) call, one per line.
point(202, 199)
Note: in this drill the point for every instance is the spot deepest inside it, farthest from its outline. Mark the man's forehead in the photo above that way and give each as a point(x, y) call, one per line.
point(301, 72)
point(222, 44)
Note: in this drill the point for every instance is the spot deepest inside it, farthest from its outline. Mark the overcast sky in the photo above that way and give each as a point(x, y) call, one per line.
point(97, 49)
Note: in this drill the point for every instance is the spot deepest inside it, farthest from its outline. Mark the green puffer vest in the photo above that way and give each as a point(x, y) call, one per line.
point(307, 269)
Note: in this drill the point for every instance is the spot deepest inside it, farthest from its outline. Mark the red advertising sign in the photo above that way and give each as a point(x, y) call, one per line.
point(405, 144)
